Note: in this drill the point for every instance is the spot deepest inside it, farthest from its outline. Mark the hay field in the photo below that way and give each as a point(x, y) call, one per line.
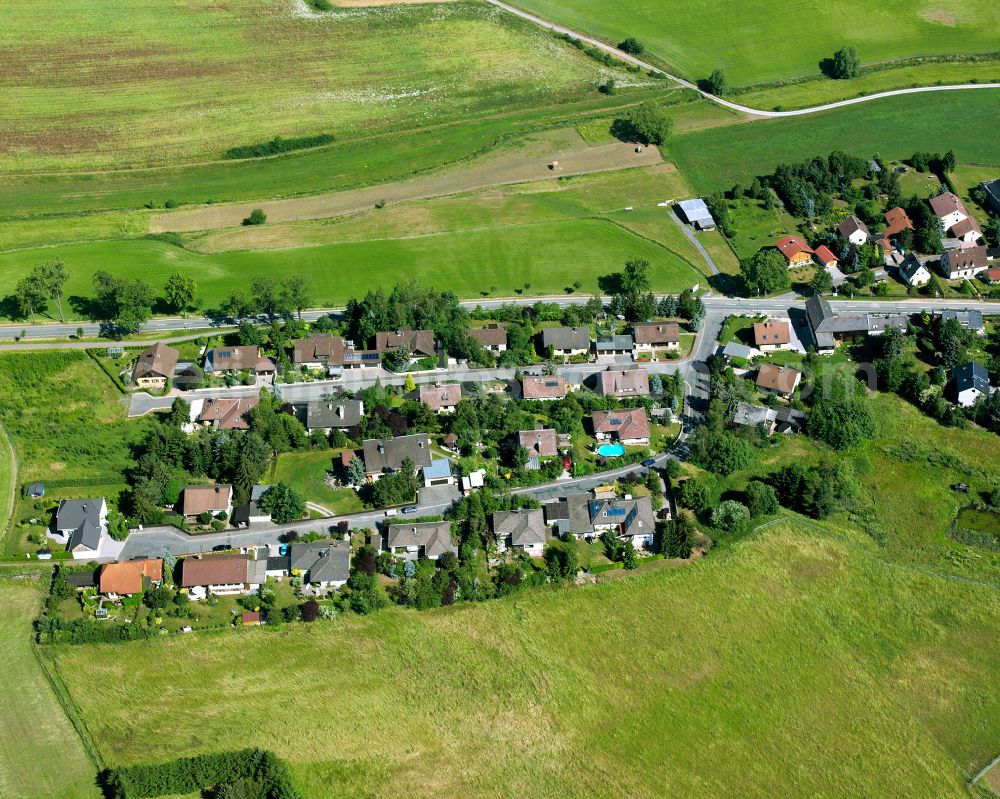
point(793, 663)
point(111, 83)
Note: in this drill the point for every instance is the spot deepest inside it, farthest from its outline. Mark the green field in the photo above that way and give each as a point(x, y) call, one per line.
point(190, 80)
point(41, 756)
point(763, 40)
point(548, 256)
point(8, 485)
point(305, 472)
point(819, 670)
point(895, 127)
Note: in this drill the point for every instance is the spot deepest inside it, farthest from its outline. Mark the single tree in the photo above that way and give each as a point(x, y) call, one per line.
point(309, 610)
point(257, 217)
point(283, 503)
point(822, 282)
point(29, 296)
point(717, 83)
point(179, 291)
point(295, 294)
point(765, 272)
point(846, 63)
point(632, 46)
point(53, 278)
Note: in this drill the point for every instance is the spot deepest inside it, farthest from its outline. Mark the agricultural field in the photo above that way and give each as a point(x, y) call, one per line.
point(191, 81)
point(40, 754)
point(816, 610)
point(762, 40)
point(895, 127)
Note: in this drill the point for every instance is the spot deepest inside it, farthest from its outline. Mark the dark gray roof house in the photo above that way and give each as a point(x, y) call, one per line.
point(969, 320)
point(570, 514)
point(334, 414)
point(420, 343)
point(827, 327)
point(82, 522)
point(971, 382)
point(521, 528)
point(429, 539)
point(615, 345)
point(388, 454)
point(326, 562)
point(992, 190)
point(566, 339)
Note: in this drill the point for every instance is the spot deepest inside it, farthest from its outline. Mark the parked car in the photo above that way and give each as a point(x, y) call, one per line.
point(649, 463)
point(410, 509)
point(567, 463)
point(392, 512)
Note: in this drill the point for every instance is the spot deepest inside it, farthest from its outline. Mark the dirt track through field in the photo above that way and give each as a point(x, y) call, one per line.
point(528, 163)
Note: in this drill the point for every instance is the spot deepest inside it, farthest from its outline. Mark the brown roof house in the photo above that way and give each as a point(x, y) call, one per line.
point(129, 578)
point(540, 443)
point(216, 499)
point(771, 335)
point(155, 366)
point(543, 388)
point(652, 336)
point(523, 530)
point(824, 255)
point(622, 383)
point(967, 231)
point(854, 230)
point(228, 413)
point(386, 455)
point(493, 337)
point(318, 351)
point(795, 250)
point(419, 343)
point(964, 263)
point(780, 380)
point(896, 221)
point(948, 209)
point(627, 426)
point(440, 399)
point(222, 360)
point(221, 575)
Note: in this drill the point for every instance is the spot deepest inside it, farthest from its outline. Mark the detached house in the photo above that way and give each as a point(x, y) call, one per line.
point(972, 381)
point(226, 360)
point(386, 455)
point(216, 499)
point(854, 230)
point(652, 336)
point(222, 575)
point(609, 346)
point(627, 519)
point(795, 250)
point(440, 399)
point(774, 335)
point(825, 257)
point(129, 578)
point(224, 413)
point(948, 209)
point(627, 426)
point(322, 566)
point(540, 443)
point(82, 524)
point(964, 263)
point(419, 343)
point(566, 341)
point(523, 530)
point(623, 383)
point(155, 366)
point(335, 414)
point(543, 388)
point(421, 540)
point(780, 380)
point(492, 338)
point(913, 272)
point(896, 221)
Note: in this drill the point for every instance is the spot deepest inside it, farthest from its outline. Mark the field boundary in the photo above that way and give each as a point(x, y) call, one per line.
point(8, 507)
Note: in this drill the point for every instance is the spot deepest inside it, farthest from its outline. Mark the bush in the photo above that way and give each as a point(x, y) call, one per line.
point(647, 123)
point(632, 46)
point(732, 516)
point(257, 217)
point(278, 144)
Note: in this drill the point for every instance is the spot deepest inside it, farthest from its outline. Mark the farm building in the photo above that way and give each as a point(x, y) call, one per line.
point(695, 213)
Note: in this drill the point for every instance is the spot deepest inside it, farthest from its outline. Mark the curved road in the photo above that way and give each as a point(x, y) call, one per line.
point(743, 109)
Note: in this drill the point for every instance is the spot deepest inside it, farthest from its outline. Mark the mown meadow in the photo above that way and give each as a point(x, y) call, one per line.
point(764, 40)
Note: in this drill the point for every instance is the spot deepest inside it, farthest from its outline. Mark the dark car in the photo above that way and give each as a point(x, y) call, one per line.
point(649, 463)
point(962, 487)
point(410, 509)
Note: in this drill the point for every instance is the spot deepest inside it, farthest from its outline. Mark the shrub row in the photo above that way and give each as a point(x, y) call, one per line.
point(50, 630)
point(95, 357)
point(247, 773)
point(278, 145)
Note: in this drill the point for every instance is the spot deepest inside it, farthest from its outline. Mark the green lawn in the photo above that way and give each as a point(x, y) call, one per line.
point(41, 756)
point(8, 485)
point(895, 128)
point(305, 471)
point(549, 256)
point(725, 676)
point(761, 40)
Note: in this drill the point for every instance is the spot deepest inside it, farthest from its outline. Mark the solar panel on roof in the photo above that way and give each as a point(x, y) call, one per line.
point(615, 420)
point(615, 511)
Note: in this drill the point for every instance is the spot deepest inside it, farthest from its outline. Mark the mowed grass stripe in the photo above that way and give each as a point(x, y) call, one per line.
point(41, 756)
point(782, 666)
point(895, 127)
point(550, 257)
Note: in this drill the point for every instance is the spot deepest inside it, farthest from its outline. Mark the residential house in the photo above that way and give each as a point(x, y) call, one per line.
point(566, 341)
point(964, 263)
point(991, 276)
point(552, 387)
point(419, 343)
point(972, 381)
point(771, 420)
point(130, 577)
point(82, 524)
point(333, 353)
point(734, 350)
point(227, 360)
point(228, 413)
point(420, 540)
point(969, 320)
point(214, 499)
point(825, 257)
point(948, 209)
point(772, 335)
point(628, 519)
point(653, 336)
point(438, 473)
point(627, 425)
point(322, 565)
point(780, 380)
point(695, 212)
point(278, 566)
point(252, 512)
point(540, 443)
point(492, 338)
point(523, 530)
point(632, 381)
point(913, 272)
point(611, 346)
point(967, 231)
point(386, 455)
point(334, 414)
point(442, 398)
point(992, 190)
point(854, 230)
point(896, 221)
point(221, 575)
point(795, 250)
point(570, 515)
point(829, 328)
point(155, 366)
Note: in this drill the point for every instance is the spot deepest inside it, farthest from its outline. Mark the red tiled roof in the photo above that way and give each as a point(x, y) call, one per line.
point(777, 378)
point(825, 255)
point(553, 387)
point(627, 423)
point(790, 246)
point(771, 333)
point(126, 578)
point(896, 221)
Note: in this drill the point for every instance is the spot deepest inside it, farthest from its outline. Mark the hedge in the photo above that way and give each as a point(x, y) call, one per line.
point(251, 773)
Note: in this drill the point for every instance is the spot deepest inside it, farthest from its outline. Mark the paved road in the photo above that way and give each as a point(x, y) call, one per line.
point(743, 109)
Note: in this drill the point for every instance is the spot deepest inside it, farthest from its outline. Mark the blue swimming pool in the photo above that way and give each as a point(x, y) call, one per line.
point(610, 450)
